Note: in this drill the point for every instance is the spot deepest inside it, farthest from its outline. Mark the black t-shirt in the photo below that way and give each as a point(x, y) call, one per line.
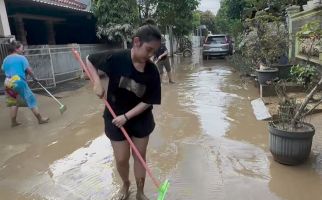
point(127, 86)
point(160, 51)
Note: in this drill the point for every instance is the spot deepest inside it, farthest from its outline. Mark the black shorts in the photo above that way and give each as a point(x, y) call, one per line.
point(164, 63)
point(139, 127)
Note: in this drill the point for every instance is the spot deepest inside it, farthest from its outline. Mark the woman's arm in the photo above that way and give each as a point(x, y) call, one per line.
point(120, 120)
point(138, 109)
point(98, 88)
point(31, 73)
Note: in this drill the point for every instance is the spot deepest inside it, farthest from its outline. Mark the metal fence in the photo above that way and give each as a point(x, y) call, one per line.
point(3, 54)
point(53, 64)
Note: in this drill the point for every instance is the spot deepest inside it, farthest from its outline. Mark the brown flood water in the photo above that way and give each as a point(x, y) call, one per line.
point(207, 142)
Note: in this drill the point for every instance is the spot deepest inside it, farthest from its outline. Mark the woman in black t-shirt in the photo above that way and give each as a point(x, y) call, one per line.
point(134, 86)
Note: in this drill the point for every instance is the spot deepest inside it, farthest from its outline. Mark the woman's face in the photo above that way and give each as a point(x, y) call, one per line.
point(19, 50)
point(144, 51)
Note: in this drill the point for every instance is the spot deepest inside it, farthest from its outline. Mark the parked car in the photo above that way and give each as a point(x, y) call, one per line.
point(217, 45)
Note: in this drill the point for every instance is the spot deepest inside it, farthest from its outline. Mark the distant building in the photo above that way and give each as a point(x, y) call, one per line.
point(39, 22)
point(49, 29)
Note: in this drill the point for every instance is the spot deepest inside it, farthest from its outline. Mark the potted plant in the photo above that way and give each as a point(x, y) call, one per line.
point(284, 66)
point(268, 45)
point(291, 137)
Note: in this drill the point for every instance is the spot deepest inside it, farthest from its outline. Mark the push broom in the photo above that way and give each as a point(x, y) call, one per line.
point(62, 107)
point(162, 189)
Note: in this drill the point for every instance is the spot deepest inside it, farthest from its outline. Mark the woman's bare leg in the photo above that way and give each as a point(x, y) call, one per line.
point(122, 156)
point(139, 170)
point(41, 120)
point(13, 113)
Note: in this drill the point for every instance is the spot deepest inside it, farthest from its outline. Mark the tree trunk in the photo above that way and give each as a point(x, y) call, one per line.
point(124, 43)
point(146, 13)
point(304, 104)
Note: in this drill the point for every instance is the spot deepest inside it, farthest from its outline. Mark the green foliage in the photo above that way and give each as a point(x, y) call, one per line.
point(304, 74)
point(116, 31)
point(196, 19)
point(118, 12)
point(310, 34)
point(178, 14)
point(228, 18)
point(147, 8)
point(116, 19)
point(232, 12)
point(311, 30)
point(275, 7)
point(241, 63)
point(233, 8)
point(208, 18)
point(269, 39)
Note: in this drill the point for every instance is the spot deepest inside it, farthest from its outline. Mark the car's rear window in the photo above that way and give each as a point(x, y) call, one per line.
point(216, 40)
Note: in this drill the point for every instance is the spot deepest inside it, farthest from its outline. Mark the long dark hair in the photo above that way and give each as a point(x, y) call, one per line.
point(148, 33)
point(13, 46)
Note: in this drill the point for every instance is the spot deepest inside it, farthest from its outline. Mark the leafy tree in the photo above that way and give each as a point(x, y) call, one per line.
point(147, 8)
point(235, 8)
point(267, 41)
point(178, 14)
point(208, 18)
point(116, 20)
point(196, 19)
point(227, 22)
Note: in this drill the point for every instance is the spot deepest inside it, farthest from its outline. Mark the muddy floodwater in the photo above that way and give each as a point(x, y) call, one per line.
point(207, 142)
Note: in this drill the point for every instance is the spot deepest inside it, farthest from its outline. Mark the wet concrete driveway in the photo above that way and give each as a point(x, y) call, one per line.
point(207, 142)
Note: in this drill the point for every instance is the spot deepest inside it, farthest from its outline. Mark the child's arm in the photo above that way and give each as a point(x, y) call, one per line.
point(98, 88)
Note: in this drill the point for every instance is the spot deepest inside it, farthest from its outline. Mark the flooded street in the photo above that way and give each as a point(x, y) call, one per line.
point(207, 142)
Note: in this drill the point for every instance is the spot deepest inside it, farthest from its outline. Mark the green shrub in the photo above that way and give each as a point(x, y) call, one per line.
point(304, 74)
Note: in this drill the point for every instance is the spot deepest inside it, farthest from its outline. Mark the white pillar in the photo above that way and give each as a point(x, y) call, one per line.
point(290, 11)
point(4, 23)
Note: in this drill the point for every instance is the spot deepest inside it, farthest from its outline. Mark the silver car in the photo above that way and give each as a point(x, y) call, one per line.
point(217, 45)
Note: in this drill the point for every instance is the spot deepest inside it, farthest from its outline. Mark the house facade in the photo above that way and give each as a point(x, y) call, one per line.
point(312, 12)
point(39, 22)
point(49, 29)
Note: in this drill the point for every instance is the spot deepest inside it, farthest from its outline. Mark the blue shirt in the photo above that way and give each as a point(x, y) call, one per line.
point(15, 65)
